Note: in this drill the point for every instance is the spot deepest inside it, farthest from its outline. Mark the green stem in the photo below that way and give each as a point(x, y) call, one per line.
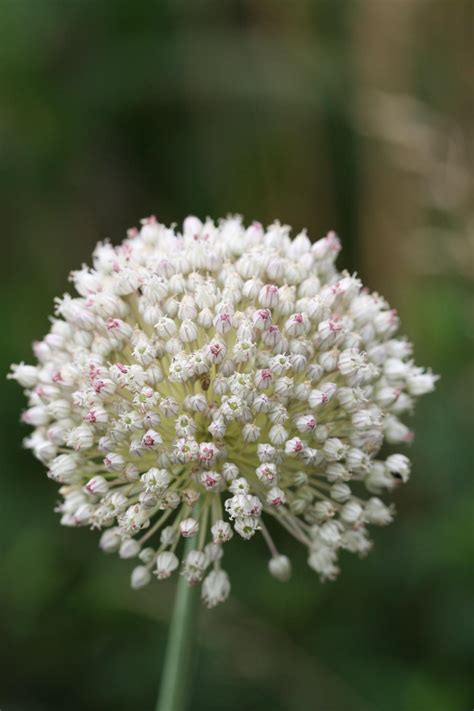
point(177, 670)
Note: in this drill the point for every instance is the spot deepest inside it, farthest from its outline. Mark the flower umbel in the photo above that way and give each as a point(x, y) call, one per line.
point(205, 381)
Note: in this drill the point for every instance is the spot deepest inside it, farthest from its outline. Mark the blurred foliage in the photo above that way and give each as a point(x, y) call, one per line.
point(327, 114)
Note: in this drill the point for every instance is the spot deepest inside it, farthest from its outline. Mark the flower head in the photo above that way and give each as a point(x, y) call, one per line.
point(204, 381)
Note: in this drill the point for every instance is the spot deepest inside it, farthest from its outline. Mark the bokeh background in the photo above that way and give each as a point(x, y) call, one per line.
point(352, 115)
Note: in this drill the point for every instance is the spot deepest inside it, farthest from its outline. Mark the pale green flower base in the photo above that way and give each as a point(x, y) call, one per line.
point(177, 670)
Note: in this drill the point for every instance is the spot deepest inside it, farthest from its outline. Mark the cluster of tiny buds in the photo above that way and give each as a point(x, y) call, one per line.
point(206, 381)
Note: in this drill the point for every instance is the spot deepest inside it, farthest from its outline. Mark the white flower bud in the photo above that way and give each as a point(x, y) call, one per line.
point(280, 567)
point(250, 433)
point(156, 480)
point(129, 548)
point(246, 526)
point(399, 466)
point(329, 533)
point(194, 566)
point(110, 540)
point(377, 512)
point(221, 532)
point(323, 510)
point(134, 519)
point(351, 512)
point(188, 331)
point(64, 468)
point(213, 552)
point(140, 577)
point(340, 492)
point(166, 563)
point(36, 416)
point(25, 375)
point(239, 486)
point(230, 471)
point(322, 560)
point(334, 449)
point(277, 435)
point(192, 226)
point(421, 383)
point(146, 555)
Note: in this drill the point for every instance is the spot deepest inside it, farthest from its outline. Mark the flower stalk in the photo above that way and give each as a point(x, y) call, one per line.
point(177, 670)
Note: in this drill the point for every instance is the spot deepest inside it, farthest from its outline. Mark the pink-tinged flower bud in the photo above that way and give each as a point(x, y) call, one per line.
point(189, 527)
point(305, 424)
point(207, 452)
point(97, 416)
point(268, 296)
point(36, 416)
point(223, 322)
point(262, 319)
point(276, 496)
point(192, 226)
point(210, 480)
point(97, 486)
point(215, 588)
point(263, 378)
point(114, 462)
point(328, 246)
point(151, 439)
point(296, 325)
point(215, 352)
point(294, 446)
point(267, 473)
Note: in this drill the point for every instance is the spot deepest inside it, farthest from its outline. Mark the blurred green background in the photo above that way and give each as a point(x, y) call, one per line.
point(352, 115)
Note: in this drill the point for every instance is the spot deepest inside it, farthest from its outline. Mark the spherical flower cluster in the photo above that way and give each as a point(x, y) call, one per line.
point(205, 381)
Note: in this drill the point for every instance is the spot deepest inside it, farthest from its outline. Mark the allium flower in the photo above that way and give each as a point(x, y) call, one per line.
point(205, 381)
